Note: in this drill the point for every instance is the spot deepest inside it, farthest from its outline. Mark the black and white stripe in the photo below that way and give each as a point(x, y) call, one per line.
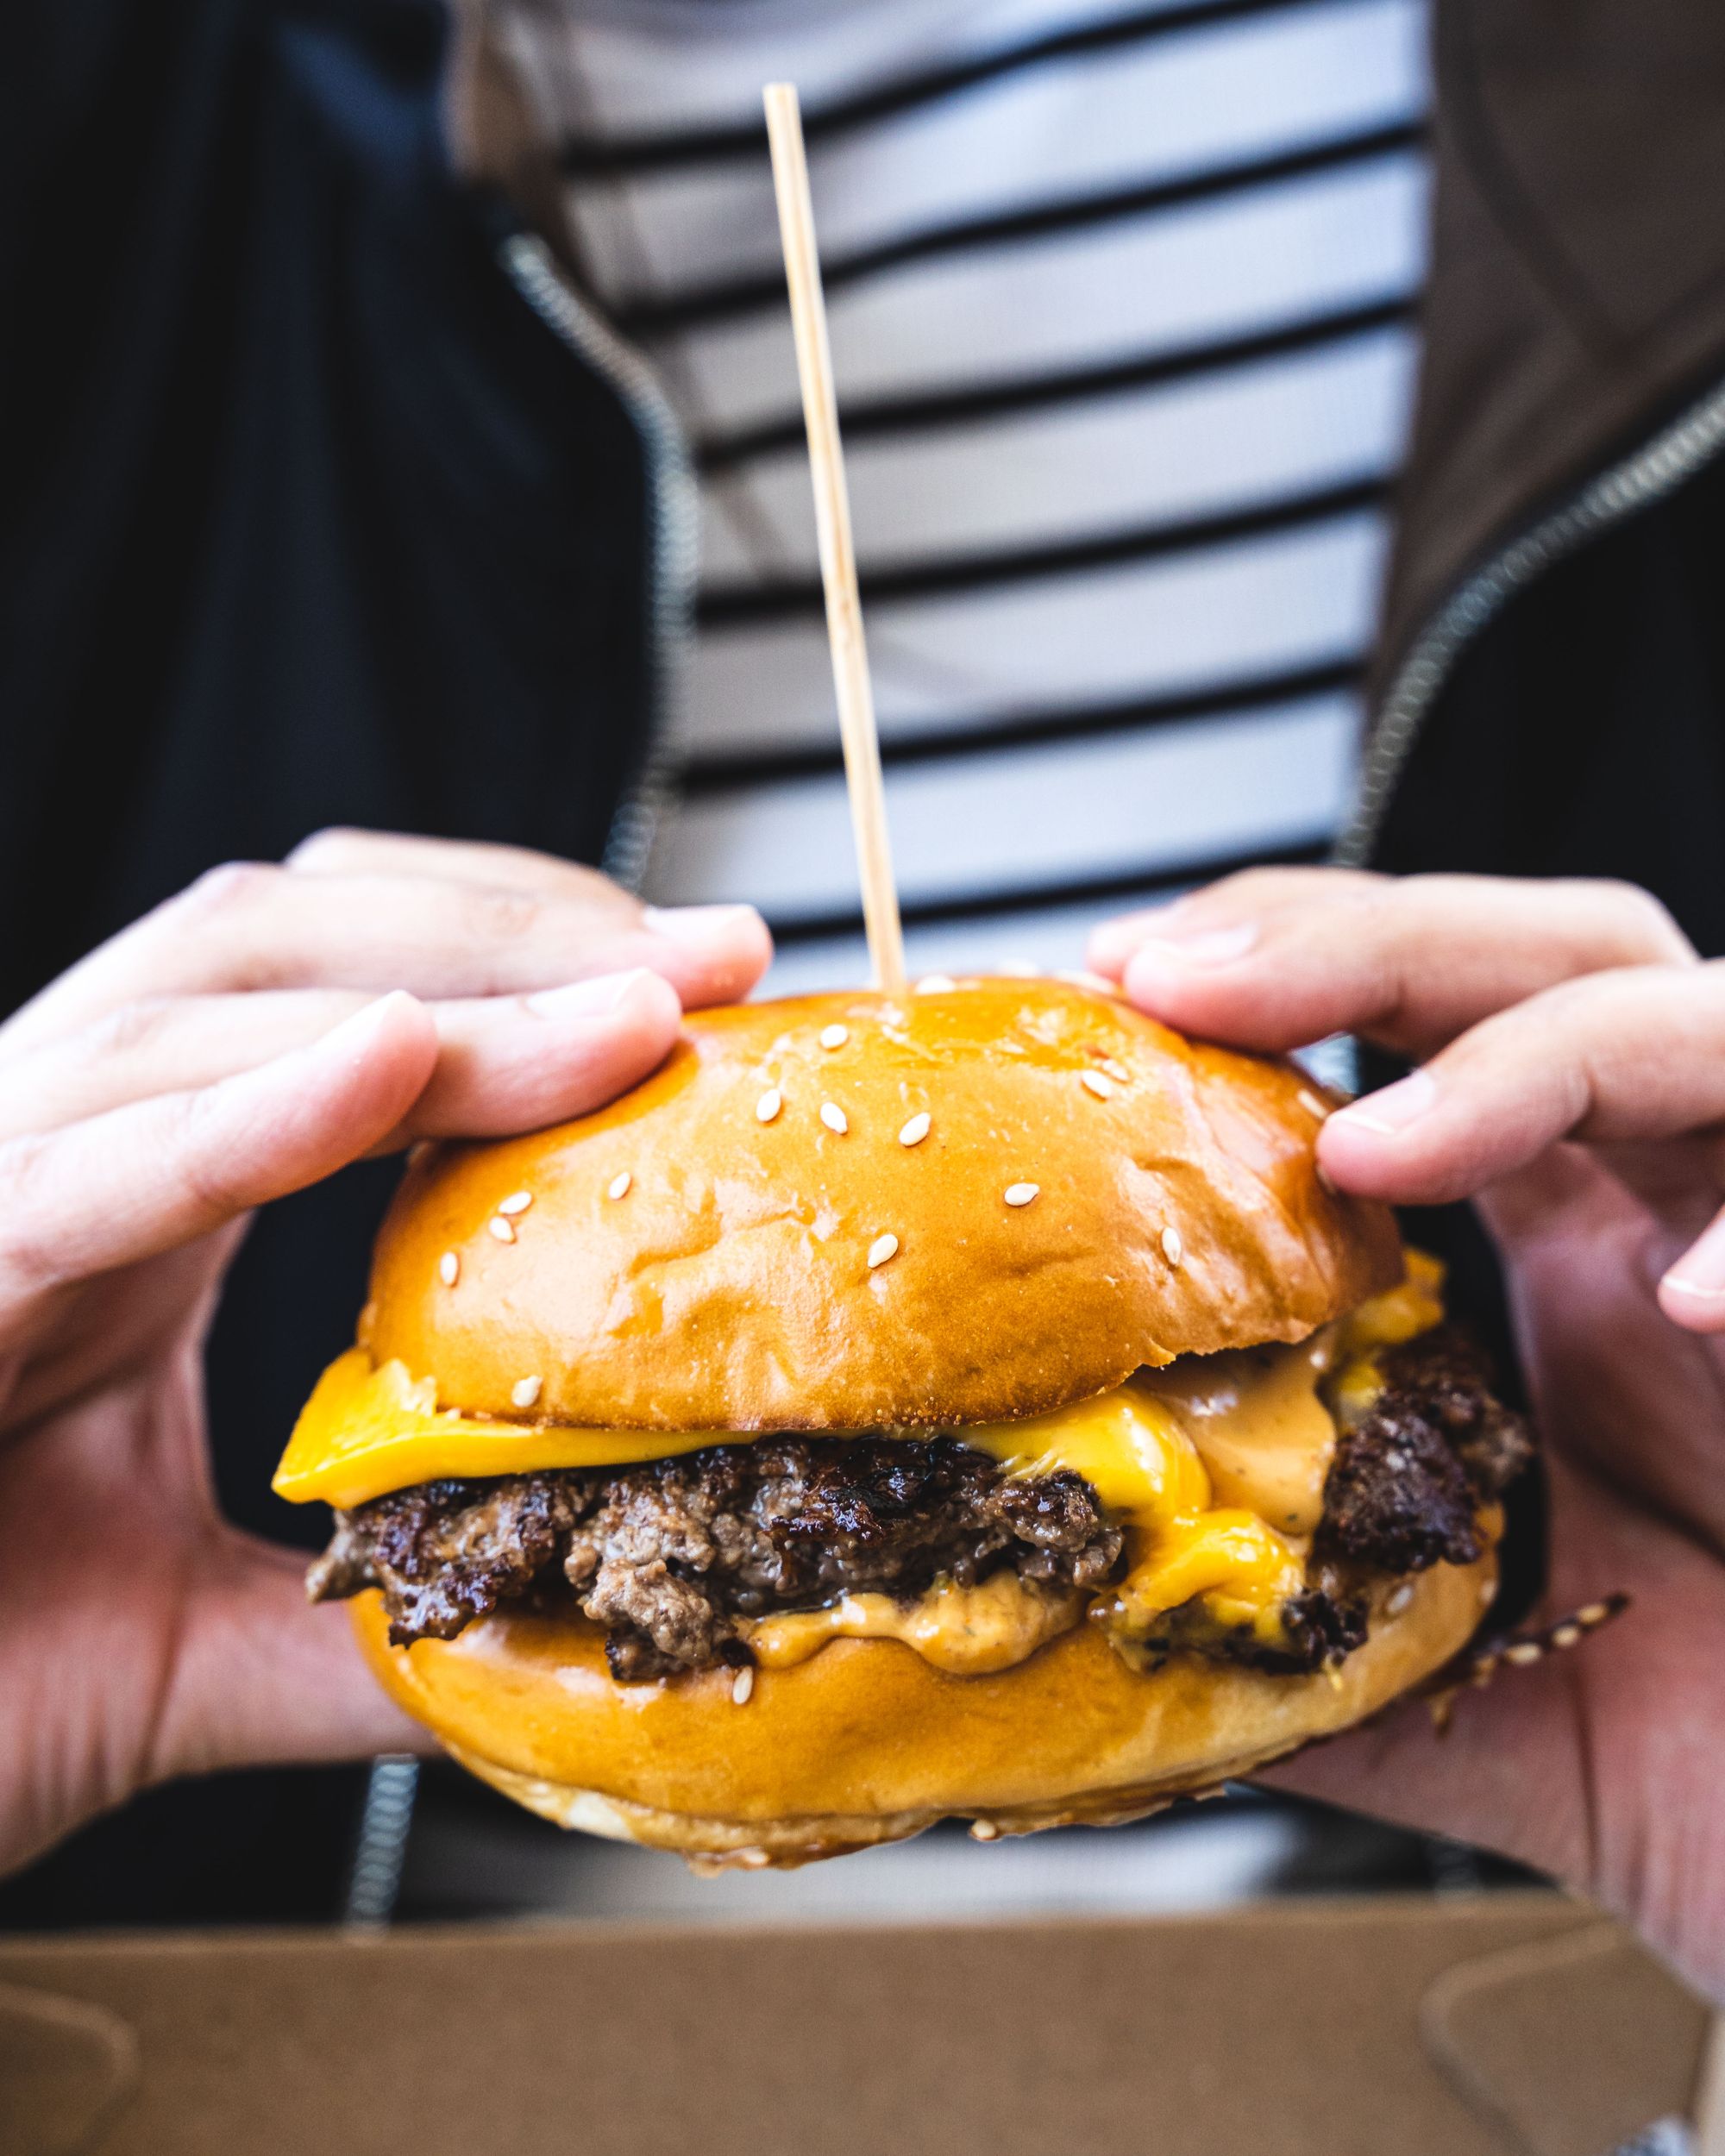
point(1121, 303)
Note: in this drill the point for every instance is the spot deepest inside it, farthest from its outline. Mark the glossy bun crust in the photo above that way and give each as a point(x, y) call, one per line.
point(728, 1287)
point(868, 1743)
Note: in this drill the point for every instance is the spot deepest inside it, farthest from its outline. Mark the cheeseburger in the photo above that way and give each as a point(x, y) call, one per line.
point(974, 1403)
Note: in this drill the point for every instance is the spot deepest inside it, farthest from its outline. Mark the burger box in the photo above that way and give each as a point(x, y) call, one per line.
point(1515, 2023)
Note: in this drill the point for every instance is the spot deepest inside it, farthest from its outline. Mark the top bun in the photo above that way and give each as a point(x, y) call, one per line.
point(692, 1259)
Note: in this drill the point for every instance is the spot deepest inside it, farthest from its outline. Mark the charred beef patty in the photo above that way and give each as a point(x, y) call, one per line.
point(1404, 1487)
point(669, 1555)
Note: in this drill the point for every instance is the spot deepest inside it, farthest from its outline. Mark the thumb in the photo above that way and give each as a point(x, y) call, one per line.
point(145, 1178)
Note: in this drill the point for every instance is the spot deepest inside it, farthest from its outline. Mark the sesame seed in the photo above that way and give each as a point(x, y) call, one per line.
point(769, 1105)
point(502, 1229)
point(740, 1686)
point(1082, 977)
point(1521, 1652)
point(525, 1391)
point(834, 1036)
point(1399, 1601)
point(934, 984)
point(450, 1269)
point(1115, 1068)
point(984, 1830)
point(1595, 1613)
point(1488, 1590)
point(1021, 1193)
point(1566, 1635)
point(882, 1248)
point(517, 1202)
point(1312, 1105)
point(618, 1185)
point(916, 1130)
point(1172, 1248)
point(833, 1116)
point(1094, 1082)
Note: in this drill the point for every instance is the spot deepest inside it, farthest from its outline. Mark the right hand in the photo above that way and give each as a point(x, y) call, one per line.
point(249, 1038)
point(1569, 1047)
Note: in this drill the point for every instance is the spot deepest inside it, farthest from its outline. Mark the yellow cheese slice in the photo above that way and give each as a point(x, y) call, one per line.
point(1215, 1463)
point(1132, 1449)
point(367, 1431)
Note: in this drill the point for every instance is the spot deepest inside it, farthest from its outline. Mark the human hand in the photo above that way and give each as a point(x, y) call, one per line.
point(249, 1037)
point(1571, 1079)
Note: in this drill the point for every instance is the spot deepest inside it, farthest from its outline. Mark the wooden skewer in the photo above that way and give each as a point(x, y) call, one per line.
point(838, 554)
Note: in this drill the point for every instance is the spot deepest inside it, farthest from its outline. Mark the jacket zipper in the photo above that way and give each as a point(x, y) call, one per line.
point(673, 534)
point(380, 1846)
point(1648, 475)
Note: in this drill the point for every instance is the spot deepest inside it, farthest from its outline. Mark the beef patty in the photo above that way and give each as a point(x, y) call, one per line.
point(670, 1555)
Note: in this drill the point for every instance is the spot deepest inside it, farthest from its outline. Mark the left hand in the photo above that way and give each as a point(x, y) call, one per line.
point(247, 1038)
point(1571, 1080)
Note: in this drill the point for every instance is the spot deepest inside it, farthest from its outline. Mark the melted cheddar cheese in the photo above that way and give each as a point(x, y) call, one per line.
point(1133, 1449)
point(367, 1431)
point(968, 1631)
point(1402, 1314)
point(1215, 1464)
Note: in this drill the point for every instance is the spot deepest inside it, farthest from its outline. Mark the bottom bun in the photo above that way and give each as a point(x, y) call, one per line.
point(866, 1742)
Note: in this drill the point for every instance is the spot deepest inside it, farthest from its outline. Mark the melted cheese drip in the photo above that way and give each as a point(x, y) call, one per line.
point(1258, 1424)
point(1215, 1463)
point(1131, 1447)
point(968, 1631)
point(1402, 1314)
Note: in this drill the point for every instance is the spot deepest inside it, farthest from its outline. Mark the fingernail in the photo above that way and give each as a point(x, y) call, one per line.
point(587, 999)
point(1206, 946)
point(1693, 1290)
point(1112, 943)
point(698, 927)
point(1165, 961)
point(369, 1017)
point(1386, 1114)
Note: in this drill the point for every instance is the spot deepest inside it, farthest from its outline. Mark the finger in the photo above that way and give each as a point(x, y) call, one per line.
point(504, 1063)
point(1275, 959)
point(1616, 1058)
point(262, 1678)
point(526, 1062)
point(1692, 1291)
point(251, 927)
point(1231, 899)
point(146, 1179)
point(344, 851)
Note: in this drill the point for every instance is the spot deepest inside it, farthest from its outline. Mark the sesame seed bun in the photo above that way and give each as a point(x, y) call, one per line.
point(846, 1212)
point(868, 1743)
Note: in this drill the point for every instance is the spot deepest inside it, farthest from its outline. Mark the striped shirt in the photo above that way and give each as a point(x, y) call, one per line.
point(1121, 313)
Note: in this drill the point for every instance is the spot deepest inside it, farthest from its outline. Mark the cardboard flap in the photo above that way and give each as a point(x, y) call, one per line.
point(1566, 2045)
point(65, 2067)
point(1299, 2029)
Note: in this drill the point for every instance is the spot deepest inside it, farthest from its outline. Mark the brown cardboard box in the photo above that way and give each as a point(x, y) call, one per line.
point(1510, 2024)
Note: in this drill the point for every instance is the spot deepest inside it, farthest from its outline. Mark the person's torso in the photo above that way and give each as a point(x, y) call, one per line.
point(1121, 305)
